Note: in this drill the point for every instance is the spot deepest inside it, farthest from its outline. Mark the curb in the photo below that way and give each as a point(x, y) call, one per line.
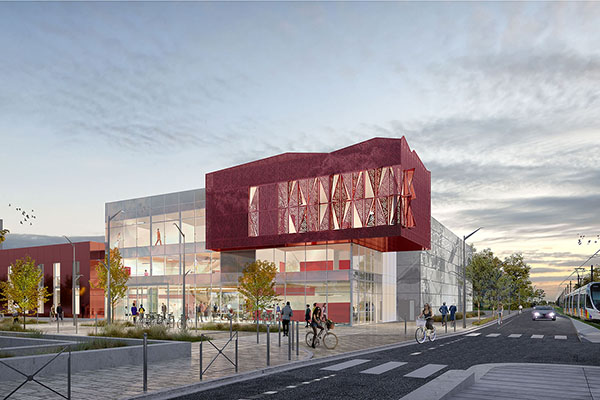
point(262, 372)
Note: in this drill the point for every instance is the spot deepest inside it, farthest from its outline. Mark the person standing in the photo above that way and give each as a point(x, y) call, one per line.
point(324, 310)
point(307, 316)
point(444, 312)
point(452, 314)
point(52, 313)
point(59, 312)
point(141, 312)
point(278, 312)
point(163, 309)
point(134, 312)
point(500, 311)
point(286, 315)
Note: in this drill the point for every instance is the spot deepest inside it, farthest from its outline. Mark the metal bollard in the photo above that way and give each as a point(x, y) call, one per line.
point(289, 347)
point(268, 345)
point(454, 323)
point(291, 328)
point(297, 337)
point(145, 362)
point(96, 324)
point(446, 327)
point(279, 330)
point(57, 324)
point(202, 337)
point(236, 352)
point(69, 375)
point(405, 327)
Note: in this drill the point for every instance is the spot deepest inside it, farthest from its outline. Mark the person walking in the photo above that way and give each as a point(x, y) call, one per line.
point(158, 239)
point(163, 310)
point(134, 312)
point(286, 315)
point(520, 309)
point(500, 311)
point(141, 312)
point(59, 312)
point(52, 313)
point(452, 311)
point(444, 312)
point(307, 316)
point(278, 312)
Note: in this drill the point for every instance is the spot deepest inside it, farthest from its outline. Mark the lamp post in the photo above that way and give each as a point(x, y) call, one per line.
point(184, 314)
point(75, 278)
point(109, 308)
point(465, 276)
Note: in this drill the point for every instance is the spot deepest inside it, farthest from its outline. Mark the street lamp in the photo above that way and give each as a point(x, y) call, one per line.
point(184, 314)
point(75, 278)
point(465, 275)
point(109, 308)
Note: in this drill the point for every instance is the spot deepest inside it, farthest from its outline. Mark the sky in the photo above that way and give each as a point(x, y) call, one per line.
point(107, 101)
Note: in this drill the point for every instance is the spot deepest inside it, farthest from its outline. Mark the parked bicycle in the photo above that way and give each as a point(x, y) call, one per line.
point(422, 333)
point(329, 339)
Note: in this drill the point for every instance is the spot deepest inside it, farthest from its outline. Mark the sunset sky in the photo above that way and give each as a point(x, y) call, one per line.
point(107, 101)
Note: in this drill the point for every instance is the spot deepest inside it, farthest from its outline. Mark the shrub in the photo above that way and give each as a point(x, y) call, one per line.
point(244, 327)
point(98, 344)
point(156, 332)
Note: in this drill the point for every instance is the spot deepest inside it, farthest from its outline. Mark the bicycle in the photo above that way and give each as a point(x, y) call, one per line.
point(329, 339)
point(421, 334)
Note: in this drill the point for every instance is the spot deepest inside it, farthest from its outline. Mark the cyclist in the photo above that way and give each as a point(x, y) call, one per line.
point(316, 322)
point(520, 309)
point(427, 313)
point(444, 311)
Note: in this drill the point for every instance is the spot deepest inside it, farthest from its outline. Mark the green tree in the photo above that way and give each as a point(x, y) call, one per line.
point(483, 271)
point(257, 285)
point(119, 276)
point(519, 272)
point(3, 233)
point(24, 288)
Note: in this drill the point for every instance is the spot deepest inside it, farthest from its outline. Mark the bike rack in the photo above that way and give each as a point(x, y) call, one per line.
point(220, 353)
point(31, 378)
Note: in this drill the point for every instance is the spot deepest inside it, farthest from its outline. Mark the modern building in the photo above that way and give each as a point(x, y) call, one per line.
point(351, 228)
point(56, 262)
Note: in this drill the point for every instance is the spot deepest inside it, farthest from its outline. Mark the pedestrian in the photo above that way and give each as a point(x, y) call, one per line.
point(500, 310)
point(278, 312)
point(444, 312)
point(141, 312)
point(452, 314)
point(163, 309)
point(202, 311)
point(59, 312)
point(520, 309)
point(134, 312)
point(52, 313)
point(15, 315)
point(307, 316)
point(286, 315)
point(324, 310)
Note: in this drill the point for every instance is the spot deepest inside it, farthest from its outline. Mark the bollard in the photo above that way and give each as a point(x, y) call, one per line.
point(279, 330)
point(405, 327)
point(446, 327)
point(57, 324)
point(145, 362)
point(268, 345)
point(454, 323)
point(291, 328)
point(236, 352)
point(96, 325)
point(69, 376)
point(297, 337)
point(230, 326)
point(202, 337)
point(289, 347)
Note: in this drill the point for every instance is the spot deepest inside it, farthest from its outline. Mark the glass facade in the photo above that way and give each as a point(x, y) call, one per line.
point(350, 278)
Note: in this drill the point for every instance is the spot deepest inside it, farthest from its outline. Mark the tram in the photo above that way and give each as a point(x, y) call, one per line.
point(584, 302)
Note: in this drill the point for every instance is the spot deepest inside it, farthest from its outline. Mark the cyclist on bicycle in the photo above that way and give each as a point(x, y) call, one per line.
point(427, 313)
point(316, 322)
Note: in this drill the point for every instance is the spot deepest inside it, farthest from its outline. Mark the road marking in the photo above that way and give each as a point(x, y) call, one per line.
point(380, 369)
point(291, 387)
point(415, 353)
point(425, 371)
point(270, 392)
point(537, 336)
point(561, 337)
point(431, 348)
point(474, 334)
point(305, 383)
point(344, 365)
point(493, 335)
point(515, 335)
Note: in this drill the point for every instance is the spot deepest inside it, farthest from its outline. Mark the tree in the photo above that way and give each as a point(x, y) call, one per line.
point(119, 276)
point(3, 233)
point(515, 267)
point(483, 271)
point(257, 285)
point(23, 288)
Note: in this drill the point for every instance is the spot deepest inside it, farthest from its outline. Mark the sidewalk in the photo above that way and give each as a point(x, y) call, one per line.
point(585, 331)
point(514, 381)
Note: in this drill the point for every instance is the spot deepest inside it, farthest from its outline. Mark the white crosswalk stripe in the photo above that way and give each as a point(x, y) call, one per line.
point(474, 334)
point(561, 337)
point(493, 335)
point(425, 371)
point(537, 336)
point(385, 367)
point(515, 335)
point(344, 365)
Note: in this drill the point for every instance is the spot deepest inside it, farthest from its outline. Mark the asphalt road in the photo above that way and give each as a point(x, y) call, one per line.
point(458, 352)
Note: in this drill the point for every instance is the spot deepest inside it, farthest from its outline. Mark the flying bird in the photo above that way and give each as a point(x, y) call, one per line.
point(25, 217)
